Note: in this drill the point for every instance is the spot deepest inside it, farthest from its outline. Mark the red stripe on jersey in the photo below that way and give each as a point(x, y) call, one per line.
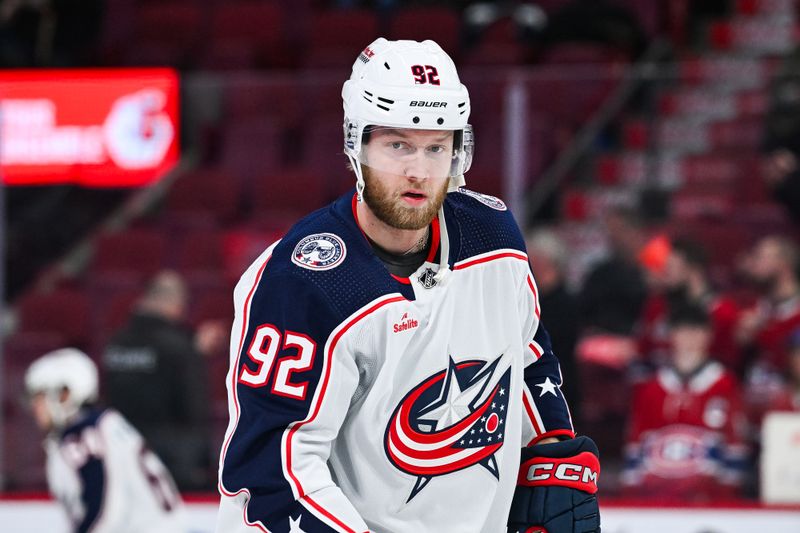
point(536, 351)
point(318, 404)
point(245, 321)
point(501, 255)
point(536, 309)
point(529, 409)
point(405, 281)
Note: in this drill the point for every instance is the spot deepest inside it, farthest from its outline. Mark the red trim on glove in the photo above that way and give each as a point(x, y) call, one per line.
point(577, 472)
point(536, 529)
point(568, 433)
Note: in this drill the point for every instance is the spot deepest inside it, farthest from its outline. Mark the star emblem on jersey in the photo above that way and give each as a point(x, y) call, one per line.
point(548, 387)
point(322, 251)
point(294, 525)
point(454, 419)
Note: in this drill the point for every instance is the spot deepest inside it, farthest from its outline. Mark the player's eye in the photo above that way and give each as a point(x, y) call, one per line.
point(400, 148)
point(437, 149)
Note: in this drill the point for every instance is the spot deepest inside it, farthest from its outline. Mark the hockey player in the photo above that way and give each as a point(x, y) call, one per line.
point(98, 466)
point(387, 359)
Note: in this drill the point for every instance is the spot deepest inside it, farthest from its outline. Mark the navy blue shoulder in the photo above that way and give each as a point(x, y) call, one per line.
point(88, 418)
point(483, 224)
point(327, 253)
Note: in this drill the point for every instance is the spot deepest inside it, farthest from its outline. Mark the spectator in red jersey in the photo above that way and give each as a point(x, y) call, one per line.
point(685, 436)
point(685, 280)
point(764, 330)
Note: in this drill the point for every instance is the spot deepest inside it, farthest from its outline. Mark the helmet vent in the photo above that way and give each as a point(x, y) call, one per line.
point(382, 107)
point(387, 66)
point(386, 100)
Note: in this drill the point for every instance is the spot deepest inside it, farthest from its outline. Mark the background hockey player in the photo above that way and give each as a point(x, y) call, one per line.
point(387, 358)
point(98, 466)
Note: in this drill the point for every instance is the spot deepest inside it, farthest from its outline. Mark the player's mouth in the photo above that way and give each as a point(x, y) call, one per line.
point(414, 197)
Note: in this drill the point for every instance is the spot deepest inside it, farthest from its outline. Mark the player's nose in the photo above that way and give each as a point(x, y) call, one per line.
point(417, 168)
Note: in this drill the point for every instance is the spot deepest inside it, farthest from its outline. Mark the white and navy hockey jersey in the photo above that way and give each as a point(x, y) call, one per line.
point(360, 401)
point(108, 481)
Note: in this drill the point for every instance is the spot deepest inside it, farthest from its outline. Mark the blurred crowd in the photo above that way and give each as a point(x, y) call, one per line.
point(689, 369)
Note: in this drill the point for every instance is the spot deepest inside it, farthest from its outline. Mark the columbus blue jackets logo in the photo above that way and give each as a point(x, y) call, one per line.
point(319, 252)
point(491, 201)
point(454, 419)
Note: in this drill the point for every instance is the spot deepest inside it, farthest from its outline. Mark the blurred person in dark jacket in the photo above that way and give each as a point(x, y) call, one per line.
point(781, 168)
point(155, 376)
point(549, 257)
point(614, 291)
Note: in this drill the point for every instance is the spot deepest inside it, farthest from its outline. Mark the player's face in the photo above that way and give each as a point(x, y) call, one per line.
point(676, 272)
point(406, 174)
point(765, 262)
point(41, 414)
point(690, 339)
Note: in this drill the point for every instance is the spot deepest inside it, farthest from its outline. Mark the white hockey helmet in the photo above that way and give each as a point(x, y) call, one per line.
point(67, 368)
point(406, 85)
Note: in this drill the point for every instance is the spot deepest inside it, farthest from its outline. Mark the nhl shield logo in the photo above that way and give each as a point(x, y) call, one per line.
point(491, 201)
point(428, 278)
point(321, 251)
point(454, 419)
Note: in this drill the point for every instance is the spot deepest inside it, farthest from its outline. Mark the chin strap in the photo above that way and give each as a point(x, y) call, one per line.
point(359, 177)
point(444, 250)
point(456, 182)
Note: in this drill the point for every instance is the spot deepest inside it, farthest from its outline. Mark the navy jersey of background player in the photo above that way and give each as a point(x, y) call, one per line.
point(363, 401)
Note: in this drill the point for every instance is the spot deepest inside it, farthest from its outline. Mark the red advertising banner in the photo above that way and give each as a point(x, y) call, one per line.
point(96, 128)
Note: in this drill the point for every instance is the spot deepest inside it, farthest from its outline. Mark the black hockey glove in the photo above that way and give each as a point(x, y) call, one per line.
point(556, 489)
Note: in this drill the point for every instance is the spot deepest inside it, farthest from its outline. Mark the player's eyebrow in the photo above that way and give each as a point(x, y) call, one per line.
point(400, 133)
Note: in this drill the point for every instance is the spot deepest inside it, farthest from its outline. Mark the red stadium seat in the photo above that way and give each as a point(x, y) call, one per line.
point(337, 36)
point(205, 193)
point(258, 25)
point(133, 254)
point(252, 147)
point(279, 100)
point(165, 33)
point(420, 23)
point(293, 190)
point(63, 311)
point(200, 253)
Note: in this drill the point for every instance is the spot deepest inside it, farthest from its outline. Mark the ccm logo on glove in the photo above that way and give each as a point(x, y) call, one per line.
point(577, 472)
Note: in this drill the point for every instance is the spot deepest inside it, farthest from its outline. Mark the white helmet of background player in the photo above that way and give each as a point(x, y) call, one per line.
point(406, 84)
point(63, 370)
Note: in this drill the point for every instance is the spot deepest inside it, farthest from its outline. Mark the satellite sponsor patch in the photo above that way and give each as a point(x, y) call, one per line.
point(321, 251)
point(491, 201)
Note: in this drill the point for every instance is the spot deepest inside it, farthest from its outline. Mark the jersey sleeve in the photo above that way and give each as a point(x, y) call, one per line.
point(546, 413)
point(289, 388)
point(92, 478)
